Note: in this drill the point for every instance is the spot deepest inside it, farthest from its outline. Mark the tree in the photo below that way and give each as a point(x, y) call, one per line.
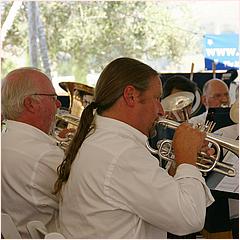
point(87, 35)
point(32, 28)
point(42, 42)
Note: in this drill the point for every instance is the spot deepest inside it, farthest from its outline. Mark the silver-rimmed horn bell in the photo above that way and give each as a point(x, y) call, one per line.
point(177, 106)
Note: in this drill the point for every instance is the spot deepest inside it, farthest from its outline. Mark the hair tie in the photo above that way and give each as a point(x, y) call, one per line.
point(94, 105)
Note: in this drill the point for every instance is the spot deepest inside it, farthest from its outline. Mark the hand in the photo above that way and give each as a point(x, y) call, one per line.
point(206, 149)
point(187, 142)
point(63, 133)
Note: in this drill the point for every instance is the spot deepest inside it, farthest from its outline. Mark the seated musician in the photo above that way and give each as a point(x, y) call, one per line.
point(178, 83)
point(217, 225)
point(29, 155)
point(231, 221)
point(215, 95)
point(111, 186)
point(173, 85)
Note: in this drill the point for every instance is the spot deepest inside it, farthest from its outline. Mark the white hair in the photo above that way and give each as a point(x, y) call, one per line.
point(15, 87)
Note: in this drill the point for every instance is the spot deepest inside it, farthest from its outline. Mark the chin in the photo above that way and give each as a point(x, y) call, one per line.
point(152, 132)
point(52, 127)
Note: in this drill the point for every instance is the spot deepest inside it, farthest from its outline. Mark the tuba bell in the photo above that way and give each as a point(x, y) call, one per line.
point(80, 95)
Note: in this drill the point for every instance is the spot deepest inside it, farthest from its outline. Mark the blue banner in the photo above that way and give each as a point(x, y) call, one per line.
point(223, 49)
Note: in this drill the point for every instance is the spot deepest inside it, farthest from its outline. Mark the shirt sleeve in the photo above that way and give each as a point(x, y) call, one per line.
point(200, 119)
point(44, 177)
point(174, 204)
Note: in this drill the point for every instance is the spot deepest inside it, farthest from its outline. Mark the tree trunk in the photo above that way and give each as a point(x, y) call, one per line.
point(10, 18)
point(42, 43)
point(31, 9)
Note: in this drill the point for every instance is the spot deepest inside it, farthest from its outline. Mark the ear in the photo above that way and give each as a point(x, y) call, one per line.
point(29, 104)
point(129, 95)
point(204, 100)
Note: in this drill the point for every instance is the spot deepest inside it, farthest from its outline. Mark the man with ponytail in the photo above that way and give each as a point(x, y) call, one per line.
point(110, 184)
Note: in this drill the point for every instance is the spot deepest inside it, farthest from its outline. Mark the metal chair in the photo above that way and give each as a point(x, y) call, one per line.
point(8, 228)
point(38, 230)
point(54, 235)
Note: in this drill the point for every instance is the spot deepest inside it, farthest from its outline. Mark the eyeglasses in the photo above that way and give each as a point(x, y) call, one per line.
point(219, 96)
point(54, 95)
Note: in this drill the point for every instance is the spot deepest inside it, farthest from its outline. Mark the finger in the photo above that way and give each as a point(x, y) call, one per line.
point(210, 151)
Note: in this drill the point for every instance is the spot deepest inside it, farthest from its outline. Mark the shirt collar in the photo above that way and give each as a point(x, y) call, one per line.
point(28, 129)
point(120, 128)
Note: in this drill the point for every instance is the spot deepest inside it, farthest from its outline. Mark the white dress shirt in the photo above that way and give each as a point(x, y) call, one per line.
point(29, 161)
point(231, 132)
point(116, 189)
point(199, 119)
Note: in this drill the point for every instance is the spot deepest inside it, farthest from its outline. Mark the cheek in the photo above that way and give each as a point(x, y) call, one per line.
point(158, 107)
point(209, 101)
point(49, 112)
point(213, 103)
point(152, 111)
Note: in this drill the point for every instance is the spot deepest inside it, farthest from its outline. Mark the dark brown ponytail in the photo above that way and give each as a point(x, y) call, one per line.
point(84, 128)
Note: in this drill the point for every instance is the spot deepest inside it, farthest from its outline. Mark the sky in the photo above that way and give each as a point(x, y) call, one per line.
point(217, 13)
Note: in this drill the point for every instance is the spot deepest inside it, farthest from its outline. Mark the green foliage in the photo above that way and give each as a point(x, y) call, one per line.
point(87, 35)
point(16, 41)
point(6, 66)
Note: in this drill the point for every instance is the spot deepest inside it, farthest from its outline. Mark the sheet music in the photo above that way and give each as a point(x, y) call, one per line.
point(230, 184)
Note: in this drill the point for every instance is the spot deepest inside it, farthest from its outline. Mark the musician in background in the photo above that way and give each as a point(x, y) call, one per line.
point(175, 84)
point(215, 95)
point(111, 186)
point(217, 225)
point(178, 83)
point(232, 132)
point(222, 219)
point(29, 155)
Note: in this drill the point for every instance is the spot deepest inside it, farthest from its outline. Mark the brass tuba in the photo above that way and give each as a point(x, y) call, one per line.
point(80, 95)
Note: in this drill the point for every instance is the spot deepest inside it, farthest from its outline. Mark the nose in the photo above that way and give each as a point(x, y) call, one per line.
point(160, 110)
point(225, 100)
point(58, 103)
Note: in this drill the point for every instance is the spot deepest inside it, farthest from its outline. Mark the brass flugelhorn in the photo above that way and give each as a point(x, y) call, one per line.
point(178, 106)
point(205, 163)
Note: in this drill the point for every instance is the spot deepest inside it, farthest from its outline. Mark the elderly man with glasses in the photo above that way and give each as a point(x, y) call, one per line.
point(215, 95)
point(29, 155)
point(217, 223)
